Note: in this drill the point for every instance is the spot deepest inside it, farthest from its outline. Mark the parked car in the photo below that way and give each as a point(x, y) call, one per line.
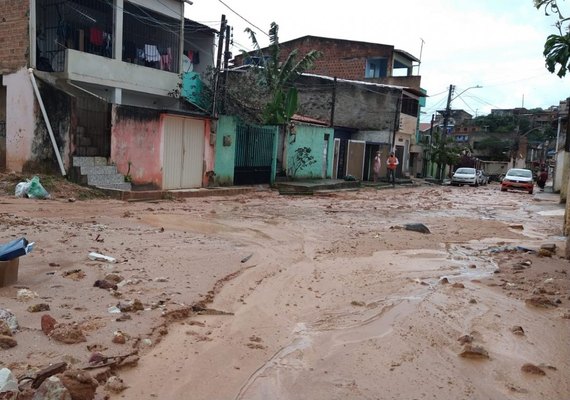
point(482, 177)
point(518, 179)
point(465, 176)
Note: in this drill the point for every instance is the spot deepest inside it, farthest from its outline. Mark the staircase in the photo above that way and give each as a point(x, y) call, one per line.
point(96, 171)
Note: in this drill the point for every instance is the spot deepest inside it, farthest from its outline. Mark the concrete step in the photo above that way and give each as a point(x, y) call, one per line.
point(98, 170)
point(104, 179)
point(124, 186)
point(89, 161)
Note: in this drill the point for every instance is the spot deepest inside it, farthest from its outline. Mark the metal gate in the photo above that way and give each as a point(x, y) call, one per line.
point(254, 154)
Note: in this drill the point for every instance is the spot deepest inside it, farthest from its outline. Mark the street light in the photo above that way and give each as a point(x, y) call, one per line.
point(472, 87)
point(449, 100)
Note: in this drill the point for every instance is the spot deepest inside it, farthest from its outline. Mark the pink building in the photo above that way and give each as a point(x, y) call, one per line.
point(102, 109)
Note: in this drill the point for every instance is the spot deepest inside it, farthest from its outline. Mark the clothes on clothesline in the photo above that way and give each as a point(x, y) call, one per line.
point(151, 53)
point(166, 60)
point(96, 36)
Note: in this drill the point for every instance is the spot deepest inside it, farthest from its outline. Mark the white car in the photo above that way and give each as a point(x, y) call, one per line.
point(465, 176)
point(518, 179)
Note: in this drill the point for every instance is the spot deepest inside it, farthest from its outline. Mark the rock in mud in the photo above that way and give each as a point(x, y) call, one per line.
point(115, 384)
point(532, 369)
point(465, 339)
point(549, 246)
point(475, 352)
point(458, 285)
point(545, 253)
point(104, 284)
point(26, 295)
point(52, 389)
point(119, 337)
point(7, 342)
point(517, 330)
point(444, 281)
point(540, 302)
point(38, 307)
point(68, 334)
point(115, 278)
point(8, 385)
point(48, 323)
point(5, 329)
point(80, 384)
point(9, 318)
point(130, 306)
point(421, 228)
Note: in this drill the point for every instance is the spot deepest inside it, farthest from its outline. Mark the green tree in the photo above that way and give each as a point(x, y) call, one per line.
point(557, 46)
point(444, 151)
point(277, 77)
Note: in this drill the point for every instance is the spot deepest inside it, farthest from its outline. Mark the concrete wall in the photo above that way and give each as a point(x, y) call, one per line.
point(373, 136)
point(312, 137)
point(225, 150)
point(376, 110)
point(559, 171)
point(98, 70)
point(60, 109)
point(136, 138)
point(14, 35)
point(20, 119)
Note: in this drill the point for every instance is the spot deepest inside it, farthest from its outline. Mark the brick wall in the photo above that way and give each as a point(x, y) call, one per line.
point(344, 59)
point(14, 36)
point(341, 58)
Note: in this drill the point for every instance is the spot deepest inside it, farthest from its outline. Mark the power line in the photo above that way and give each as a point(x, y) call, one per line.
point(245, 19)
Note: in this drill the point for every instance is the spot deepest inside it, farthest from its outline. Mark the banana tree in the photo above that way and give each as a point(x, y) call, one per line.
point(278, 77)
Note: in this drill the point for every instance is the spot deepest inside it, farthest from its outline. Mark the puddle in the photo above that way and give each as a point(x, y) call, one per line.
point(552, 213)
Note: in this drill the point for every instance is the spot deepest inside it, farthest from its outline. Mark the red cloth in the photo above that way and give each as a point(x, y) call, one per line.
point(96, 36)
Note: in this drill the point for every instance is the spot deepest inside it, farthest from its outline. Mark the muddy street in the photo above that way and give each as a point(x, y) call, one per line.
point(261, 296)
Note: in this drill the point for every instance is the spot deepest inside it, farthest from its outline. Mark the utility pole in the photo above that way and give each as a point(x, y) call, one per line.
point(218, 66)
point(447, 112)
point(227, 56)
point(443, 136)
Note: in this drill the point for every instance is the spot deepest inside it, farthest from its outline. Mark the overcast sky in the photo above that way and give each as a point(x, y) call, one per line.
point(497, 44)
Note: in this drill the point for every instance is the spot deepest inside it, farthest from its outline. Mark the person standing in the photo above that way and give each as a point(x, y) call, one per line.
point(542, 178)
point(392, 163)
point(376, 165)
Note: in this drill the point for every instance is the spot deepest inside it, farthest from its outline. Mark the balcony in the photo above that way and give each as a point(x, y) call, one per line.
point(97, 70)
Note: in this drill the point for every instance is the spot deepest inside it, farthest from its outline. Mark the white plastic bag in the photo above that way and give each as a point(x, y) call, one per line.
point(100, 257)
point(22, 189)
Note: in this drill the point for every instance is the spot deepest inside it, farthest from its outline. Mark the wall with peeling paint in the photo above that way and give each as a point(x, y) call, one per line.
point(20, 119)
point(136, 138)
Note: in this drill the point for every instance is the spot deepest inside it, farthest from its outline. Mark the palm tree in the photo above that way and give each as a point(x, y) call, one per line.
point(278, 77)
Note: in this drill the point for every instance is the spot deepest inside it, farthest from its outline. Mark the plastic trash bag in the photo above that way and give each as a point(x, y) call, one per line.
point(15, 249)
point(22, 189)
point(32, 189)
point(36, 190)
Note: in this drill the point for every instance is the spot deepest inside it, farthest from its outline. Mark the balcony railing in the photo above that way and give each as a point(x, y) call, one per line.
point(149, 38)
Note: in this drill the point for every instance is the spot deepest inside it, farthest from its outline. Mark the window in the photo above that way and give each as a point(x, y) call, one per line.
point(376, 68)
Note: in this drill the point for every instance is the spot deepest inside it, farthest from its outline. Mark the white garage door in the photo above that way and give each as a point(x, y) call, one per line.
point(183, 156)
